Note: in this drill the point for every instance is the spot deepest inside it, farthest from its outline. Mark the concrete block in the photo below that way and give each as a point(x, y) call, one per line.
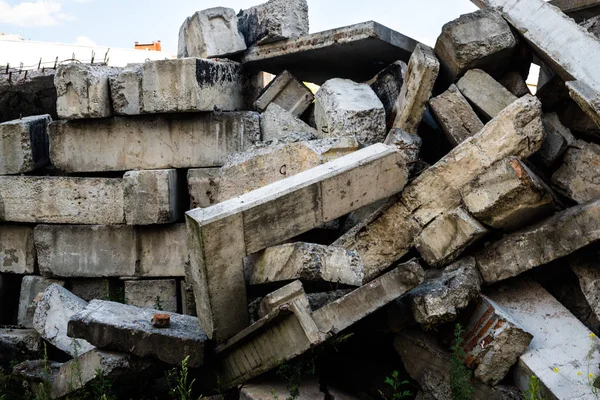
point(455, 116)
point(423, 69)
point(287, 92)
point(152, 197)
point(154, 294)
point(553, 238)
point(447, 236)
point(307, 262)
point(125, 90)
point(558, 139)
point(28, 94)
point(509, 196)
point(17, 251)
point(83, 90)
point(347, 108)
point(408, 143)
point(221, 235)
point(61, 200)
point(188, 302)
point(387, 85)
point(321, 299)
point(578, 177)
point(487, 95)
point(586, 98)
point(514, 83)
point(122, 327)
point(151, 142)
point(273, 21)
point(481, 39)
point(276, 123)
point(31, 286)
point(211, 33)
point(163, 251)
point(94, 289)
point(586, 268)
point(494, 342)
point(19, 344)
point(203, 186)
point(280, 297)
point(52, 316)
point(24, 144)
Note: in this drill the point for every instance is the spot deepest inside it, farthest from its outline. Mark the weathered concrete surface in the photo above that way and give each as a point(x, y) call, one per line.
point(94, 289)
point(514, 83)
point(163, 251)
point(508, 196)
point(409, 144)
point(221, 235)
point(24, 144)
point(553, 238)
point(439, 299)
point(125, 89)
point(287, 92)
point(285, 295)
point(203, 186)
point(211, 33)
point(485, 93)
point(558, 139)
point(276, 123)
point(423, 69)
point(455, 115)
point(307, 262)
point(354, 52)
point(321, 299)
point(152, 197)
point(447, 236)
point(17, 251)
point(31, 286)
point(61, 200)
point(121, 327)
point(154, 294)
point(19, 344)
point(559, 341)
point(347, 108)
point(273, 21)
point(481, 39)
point(493, 342)
point(151, 142)
point(586, 98)
point(52, 316)
point(83, 90)
point(387, 85)
point(578, 177)
point(24, 94)
point(585, 266)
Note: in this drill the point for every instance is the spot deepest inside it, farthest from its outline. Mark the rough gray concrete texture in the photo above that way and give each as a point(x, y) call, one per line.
point(509, 196)
point(286, 91)
point(558, 139)
point(408, 143)
point(410, 106)
point(548, 240)
point(220, 236)
point(17, 250)
point(586, 98)
point(481, 39)
point(158, 294)
point(211, 33)
point(485, 93)
point(307, 262)
point(19, 344)
point(83, 90)
point(585, 267)
point(280, 297)
point(276, 123)
point(203, 186)
point(273, 21)
point(347, 108)
point(151, 142)
point(152, 197)
point(125, 89)
point(455, 115)
point(122, 327)
point(52, 315)
point(90, 289)
point(61, 200)
point(24, 144)
point(578, 177)
point(514, 83)
point(31, 286)
point(447, 236)
point(321, 299)
point(26, 94)
point(387, 85)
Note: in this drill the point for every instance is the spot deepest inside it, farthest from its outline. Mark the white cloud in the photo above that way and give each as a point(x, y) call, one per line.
point(39, 13)
point(85, 41)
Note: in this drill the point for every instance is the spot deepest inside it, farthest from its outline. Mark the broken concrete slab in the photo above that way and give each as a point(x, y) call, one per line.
point(122, 327)
point(19, 344)
point(203, 186)
point(273, 21)
point(151, 142)
point(553, 238)
point(514, 83)
point(321, 299)
point(485, 93)
point(26, 93)
point(354, 52)
point(587, 99)
point(347, 108)
point(447, 236)
point(152, 197)
point(423, 69)
point(387, 85)
point(52, 315)
point(276, 123)
point(221, 235)
point(287, 92)
point(455, 115)
point(307, 262)
point(31, 286)
point(211, 33)
point(61, 200)
point(24, 144)
point(409, 144)
point(558, 139)
point(481, 39)
point(17, 251)
point(586, 268)
point(577, 9)
point(158, 294)
point(285, 295)
point(578, 177)
point(125, 89)
point(509, 196)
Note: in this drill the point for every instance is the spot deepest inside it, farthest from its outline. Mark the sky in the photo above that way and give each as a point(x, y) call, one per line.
point(121, 23)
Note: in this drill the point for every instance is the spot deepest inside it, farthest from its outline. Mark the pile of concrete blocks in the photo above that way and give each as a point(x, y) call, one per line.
point(186, 215)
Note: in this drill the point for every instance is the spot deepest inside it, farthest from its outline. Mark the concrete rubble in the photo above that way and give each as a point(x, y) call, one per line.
point(287, 92)
point(24, 144)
